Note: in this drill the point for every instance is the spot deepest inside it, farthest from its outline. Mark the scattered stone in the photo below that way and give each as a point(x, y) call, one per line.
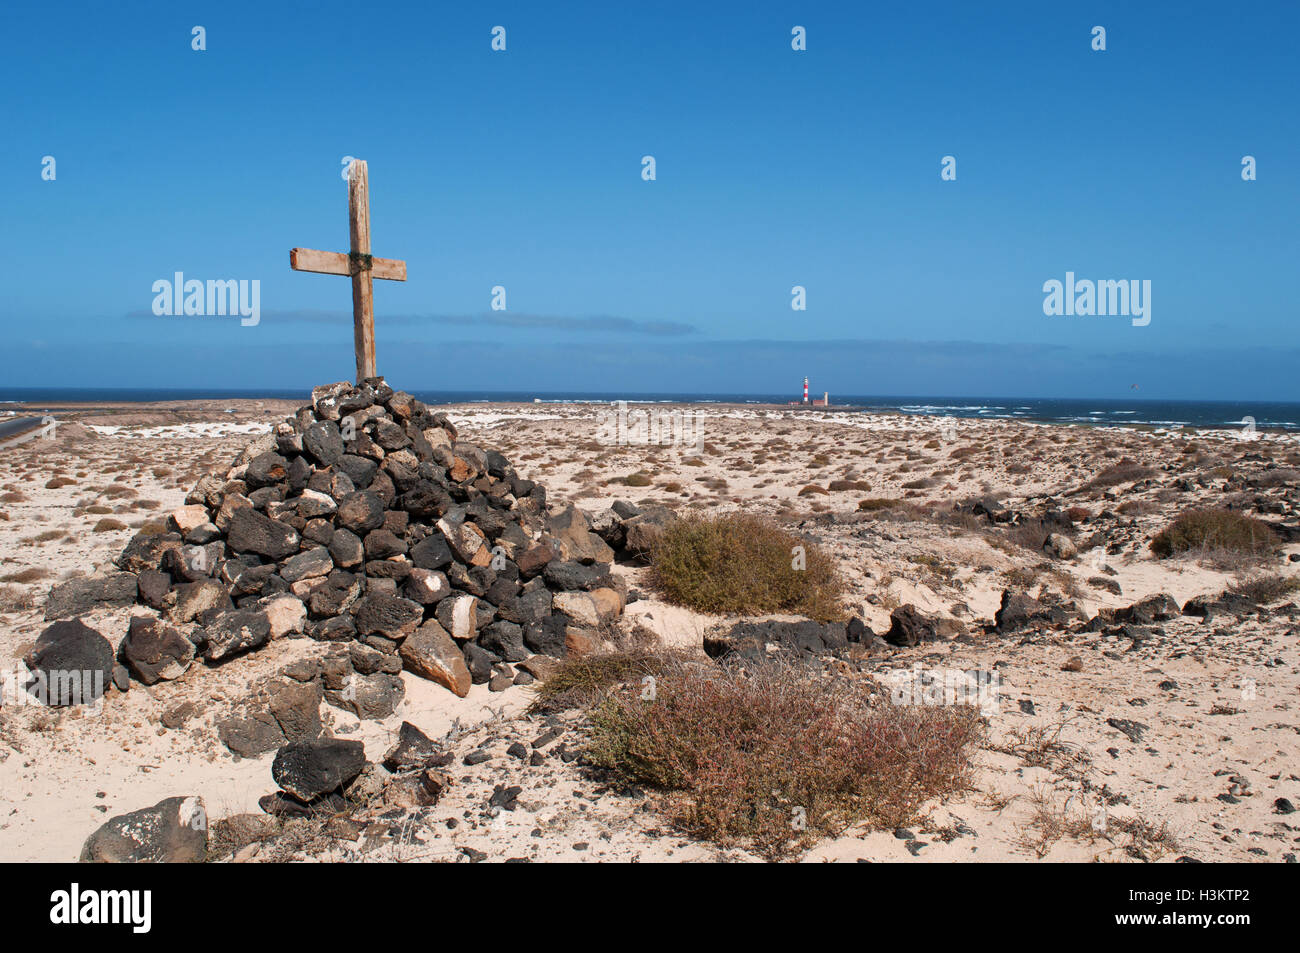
point(1060, 546)
point(235, 631)
point(173, 831)
point(155, 651)
point(414, 750)
point(251, 735)
point(909, 626)
point(1134, 730)
point(79, 596)
point(310, 769)
point(751, 640)
point(71, 664)
point(430, 653)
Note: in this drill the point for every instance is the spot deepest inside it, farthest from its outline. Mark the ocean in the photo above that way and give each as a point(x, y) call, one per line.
point(1134, 411)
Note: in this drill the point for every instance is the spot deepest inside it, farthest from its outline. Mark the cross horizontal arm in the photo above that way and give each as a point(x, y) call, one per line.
point(337, 263)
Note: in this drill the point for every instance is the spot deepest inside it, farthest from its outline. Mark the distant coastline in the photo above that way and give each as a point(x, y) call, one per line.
point(1128, 412)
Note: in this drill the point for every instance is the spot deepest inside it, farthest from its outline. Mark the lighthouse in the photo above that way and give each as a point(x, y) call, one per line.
point(805, 390)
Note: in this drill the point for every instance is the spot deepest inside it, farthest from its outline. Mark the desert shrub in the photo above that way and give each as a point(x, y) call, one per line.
point(16, 599)
point(1283, 476)
point(1030, 535)
point(1022, 577)
point(1126, 471)
point(108, 525)
point(637, 479)
point(582, 681)
point(740, 755)
point(1263, 590)
point(839, 486)
point(31, 574)
point(960, 519)
point(58, 482)
point(740, 562)
point(1214, 530)
point(877, 503)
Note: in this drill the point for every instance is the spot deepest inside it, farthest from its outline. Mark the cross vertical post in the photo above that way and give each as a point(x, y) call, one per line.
point(363, 285)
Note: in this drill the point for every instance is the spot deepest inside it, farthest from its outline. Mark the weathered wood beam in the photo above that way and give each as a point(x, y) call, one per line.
point(336, 263)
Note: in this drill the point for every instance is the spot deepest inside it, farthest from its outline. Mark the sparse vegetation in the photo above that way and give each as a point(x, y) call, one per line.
point(739, 562)
point(1264, 590)
point(583, 681)
point(1211, 531)
point(772, 758)
point(16, 599)
point(1126, 471)
point(31, 574)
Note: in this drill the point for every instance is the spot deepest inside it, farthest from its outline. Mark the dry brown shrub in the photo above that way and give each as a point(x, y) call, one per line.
point(1264, 590)
point(772, 758)
point(1126, 471)
point(1212, 533)
point(31, 574)
point(16, 599)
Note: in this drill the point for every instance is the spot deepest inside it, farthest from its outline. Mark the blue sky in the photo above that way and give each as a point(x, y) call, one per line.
point(775, 168)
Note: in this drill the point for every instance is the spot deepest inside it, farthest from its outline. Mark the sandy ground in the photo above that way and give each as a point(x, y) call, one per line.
point(69, 503)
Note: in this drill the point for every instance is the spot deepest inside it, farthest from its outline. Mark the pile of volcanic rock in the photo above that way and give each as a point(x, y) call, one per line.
point(364, 520)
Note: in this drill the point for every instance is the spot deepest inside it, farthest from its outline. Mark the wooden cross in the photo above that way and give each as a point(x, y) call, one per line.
point(360, 264)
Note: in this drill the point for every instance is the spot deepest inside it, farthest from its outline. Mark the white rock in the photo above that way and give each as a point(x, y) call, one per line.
point(287, 614)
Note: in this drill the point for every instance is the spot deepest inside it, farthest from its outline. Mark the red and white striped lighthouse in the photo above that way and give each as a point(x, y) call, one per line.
point(805, 390)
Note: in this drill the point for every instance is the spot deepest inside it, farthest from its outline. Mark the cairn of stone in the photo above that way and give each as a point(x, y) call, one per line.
point(363, 520)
